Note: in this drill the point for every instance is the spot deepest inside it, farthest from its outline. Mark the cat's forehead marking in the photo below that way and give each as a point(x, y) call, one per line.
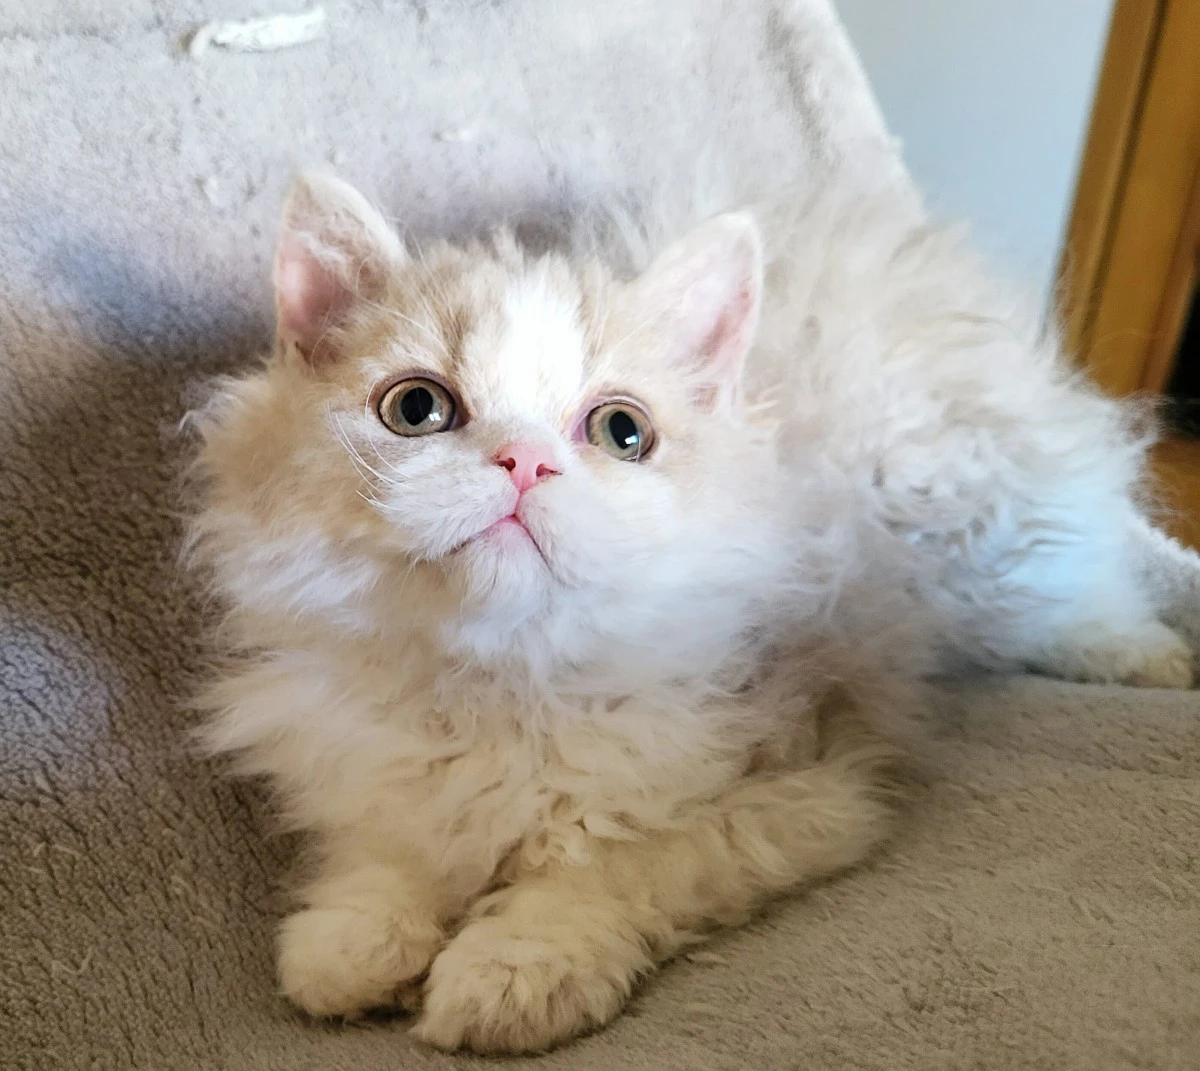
point(540, 356)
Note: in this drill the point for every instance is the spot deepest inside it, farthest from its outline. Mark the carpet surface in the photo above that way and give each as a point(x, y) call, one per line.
point(1042, 908)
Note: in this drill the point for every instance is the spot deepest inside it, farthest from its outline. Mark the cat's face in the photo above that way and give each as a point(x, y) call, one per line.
point(502, 444)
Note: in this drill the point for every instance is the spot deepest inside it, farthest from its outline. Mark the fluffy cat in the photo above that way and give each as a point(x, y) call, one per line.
point(575, 615)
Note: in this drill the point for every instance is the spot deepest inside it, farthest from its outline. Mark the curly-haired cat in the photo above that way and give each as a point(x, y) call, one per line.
point(578, 614)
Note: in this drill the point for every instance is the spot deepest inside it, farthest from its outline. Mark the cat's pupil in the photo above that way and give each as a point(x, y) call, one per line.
point(624, 431)
point(417, 406)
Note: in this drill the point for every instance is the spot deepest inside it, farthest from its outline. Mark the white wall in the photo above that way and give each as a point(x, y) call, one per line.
point(991, 100)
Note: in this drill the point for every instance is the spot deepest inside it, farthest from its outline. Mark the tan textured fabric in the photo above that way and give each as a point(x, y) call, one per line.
point(1042, 910)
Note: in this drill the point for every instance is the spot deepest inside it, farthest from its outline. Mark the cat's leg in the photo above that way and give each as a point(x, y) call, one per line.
point(557, 952)
point(1101, 645)
point(368, 930)
point(1071, 603)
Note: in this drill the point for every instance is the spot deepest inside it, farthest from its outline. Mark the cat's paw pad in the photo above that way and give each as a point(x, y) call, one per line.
point(498, 989)
point(336, 961)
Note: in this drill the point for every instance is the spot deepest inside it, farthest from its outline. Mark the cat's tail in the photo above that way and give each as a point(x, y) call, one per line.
point(776, 830)
point(773, 832)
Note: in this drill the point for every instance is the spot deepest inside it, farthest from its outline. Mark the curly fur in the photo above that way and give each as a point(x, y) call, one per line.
point(533, 772)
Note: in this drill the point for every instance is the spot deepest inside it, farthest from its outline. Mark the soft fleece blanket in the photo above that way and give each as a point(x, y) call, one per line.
point(1042, 910)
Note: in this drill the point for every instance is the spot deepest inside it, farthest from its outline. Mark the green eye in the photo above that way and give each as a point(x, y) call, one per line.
point(622, 430)
point(417, 407)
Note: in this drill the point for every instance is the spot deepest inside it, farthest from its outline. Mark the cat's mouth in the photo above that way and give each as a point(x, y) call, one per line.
point(510, 528)
point(511, 521)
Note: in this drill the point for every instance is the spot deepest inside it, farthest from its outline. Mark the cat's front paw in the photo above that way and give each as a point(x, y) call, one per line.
point(506, 987)
point(343, 961)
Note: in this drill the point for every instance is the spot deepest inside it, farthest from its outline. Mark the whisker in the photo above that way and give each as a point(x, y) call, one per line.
point(386, 463)
point(386, 507)
point(368, 498)
point(350, 449)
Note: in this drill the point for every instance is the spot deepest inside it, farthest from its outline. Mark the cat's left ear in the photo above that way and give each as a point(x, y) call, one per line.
point(704, 294)
point(334, 249)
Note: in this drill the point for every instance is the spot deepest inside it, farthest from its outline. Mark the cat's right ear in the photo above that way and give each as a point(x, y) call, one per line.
point(334, 248)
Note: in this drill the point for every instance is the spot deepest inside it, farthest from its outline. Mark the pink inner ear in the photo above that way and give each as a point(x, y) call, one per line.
point(309, 295)
point(728, 339)
point(718, 316)
point(704, 290)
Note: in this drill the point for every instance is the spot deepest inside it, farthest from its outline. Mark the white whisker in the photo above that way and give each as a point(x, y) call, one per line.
point(386, 463)
point(350, 449)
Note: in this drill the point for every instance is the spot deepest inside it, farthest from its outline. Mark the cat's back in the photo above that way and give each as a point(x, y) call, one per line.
point(884, 338)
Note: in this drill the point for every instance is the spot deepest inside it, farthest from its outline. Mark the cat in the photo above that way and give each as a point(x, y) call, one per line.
point(576, 613)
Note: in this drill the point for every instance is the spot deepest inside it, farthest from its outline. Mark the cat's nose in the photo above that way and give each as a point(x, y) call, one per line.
point(527, 463)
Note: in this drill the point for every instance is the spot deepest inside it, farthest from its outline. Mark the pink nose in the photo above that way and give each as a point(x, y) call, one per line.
point(527, 463)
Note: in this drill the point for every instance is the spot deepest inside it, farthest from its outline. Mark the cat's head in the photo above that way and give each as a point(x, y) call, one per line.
point(510, 452)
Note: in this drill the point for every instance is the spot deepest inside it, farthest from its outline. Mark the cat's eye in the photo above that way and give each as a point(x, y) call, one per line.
point(620, 429)
point(415, 407)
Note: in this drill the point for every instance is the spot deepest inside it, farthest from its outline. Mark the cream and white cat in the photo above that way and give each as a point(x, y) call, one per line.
point(575, 615)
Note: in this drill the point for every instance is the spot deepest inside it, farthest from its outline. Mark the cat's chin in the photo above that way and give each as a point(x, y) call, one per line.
point(502, 570)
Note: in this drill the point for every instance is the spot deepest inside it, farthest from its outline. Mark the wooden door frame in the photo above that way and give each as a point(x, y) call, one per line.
point(1128, 267)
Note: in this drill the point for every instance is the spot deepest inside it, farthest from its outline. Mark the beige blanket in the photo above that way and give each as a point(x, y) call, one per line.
point(1043, 908)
